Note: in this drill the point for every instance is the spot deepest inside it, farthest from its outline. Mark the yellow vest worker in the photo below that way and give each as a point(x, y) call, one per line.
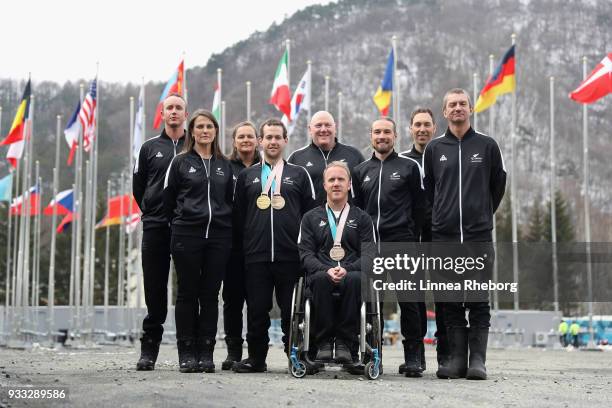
point(563, 327)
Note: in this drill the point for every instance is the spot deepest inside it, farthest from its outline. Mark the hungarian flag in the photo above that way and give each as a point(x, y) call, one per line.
point(597, 85)
point(501, 82)
point(216, 107)
point(280, 96)
point(382, 97)
point(299, 102)
point(175, 85)
point(116, 208)
point(17, 133)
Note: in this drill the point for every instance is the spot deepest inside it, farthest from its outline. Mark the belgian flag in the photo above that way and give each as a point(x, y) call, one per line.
point(500, 82)
point(16, 134)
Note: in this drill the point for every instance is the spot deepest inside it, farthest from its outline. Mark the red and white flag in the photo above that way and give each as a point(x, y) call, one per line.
point(280, 96)
point(597, 85)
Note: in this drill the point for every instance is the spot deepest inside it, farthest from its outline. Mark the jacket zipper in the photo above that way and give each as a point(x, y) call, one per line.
point(271, 223)
point(460, 197)
point(379, 188)
point(209, 206)
point(174, 144)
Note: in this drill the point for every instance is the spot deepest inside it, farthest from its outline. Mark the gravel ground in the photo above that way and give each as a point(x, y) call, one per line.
point(105, 377)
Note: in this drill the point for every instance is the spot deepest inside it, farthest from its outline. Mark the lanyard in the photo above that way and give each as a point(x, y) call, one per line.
point(272, 177)
point(336, 230)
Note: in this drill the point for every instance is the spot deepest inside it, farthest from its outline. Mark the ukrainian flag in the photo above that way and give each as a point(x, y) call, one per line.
point(501, 82)
point(382, 97)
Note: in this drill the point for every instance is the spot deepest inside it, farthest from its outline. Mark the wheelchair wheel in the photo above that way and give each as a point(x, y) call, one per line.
point(297, 370)
point(297, 306)
point(371, 373)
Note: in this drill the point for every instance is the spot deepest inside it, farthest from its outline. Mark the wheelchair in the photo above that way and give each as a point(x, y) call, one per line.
point(370, 339)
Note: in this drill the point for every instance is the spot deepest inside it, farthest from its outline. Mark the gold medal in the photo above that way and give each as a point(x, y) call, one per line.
point(263, 202)
point(278, 202)
point(336, 253)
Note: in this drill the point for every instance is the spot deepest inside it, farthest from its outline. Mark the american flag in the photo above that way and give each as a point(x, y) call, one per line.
point(87, 115)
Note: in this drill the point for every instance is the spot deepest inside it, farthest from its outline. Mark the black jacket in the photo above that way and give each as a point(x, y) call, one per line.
point(315, 240)
point(198, 196)
point(150, 170)
point(314, 160)
point(424, 234)
point(465, 180)
point(271, 235)
point(392, 193)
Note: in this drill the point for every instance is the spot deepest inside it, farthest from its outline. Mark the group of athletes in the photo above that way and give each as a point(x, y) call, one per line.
point(257, 223)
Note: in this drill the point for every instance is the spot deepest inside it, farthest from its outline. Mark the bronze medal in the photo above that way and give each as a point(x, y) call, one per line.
point(278, 202)
point(263, 202)
point(336, 253)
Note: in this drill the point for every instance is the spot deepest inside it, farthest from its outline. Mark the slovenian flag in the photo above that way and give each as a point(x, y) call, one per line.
point(63, 201)
point(382, 97)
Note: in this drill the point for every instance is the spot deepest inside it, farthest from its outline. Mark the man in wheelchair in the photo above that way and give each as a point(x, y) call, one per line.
point(330, 246)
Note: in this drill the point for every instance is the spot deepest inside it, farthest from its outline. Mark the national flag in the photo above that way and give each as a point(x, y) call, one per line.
point(71, 132)
point(65, 223)
point(216, 108)
point(280, 96)
point(132, 224)
point(502, 81)
point(63, 201)
point(139, 125)
point(175, 85)
point(114, 207)
point(6, 187)
point(300, 101)
point(384, 93)
point(597, 85)
point(16, 134)
point(17, 204)
point(87, 115)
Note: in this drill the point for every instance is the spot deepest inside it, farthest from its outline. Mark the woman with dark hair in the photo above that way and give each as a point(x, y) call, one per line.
point(198, 194)
point(244, 154)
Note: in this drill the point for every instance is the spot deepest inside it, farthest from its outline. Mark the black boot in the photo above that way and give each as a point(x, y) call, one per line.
point(149, 349)
point(234, 352)
point(412, 359)
point(206, 348)
point(442, 353)
point(187, 355)
point(457, 366)
point(255, 363)
point(423, 362)
point(477, 339)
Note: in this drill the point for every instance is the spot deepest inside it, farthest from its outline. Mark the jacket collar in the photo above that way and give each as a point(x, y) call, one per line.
point(164, 135)
point(470, 133)
point(392, 156)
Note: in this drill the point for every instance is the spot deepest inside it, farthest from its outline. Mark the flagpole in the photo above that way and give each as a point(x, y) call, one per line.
point(34, 277)
point(513, 197)
point(107, 260)
point(475, 84)
point(396, 94)
point(339, 126)
point(130, 242)
point(37, 252)
point(51, 284)
point(77, 223)
point(94, 195)
point(587, 209)
point(288, 47)
point(15, 238)
point(121, 281)
point(248, 100)
point(87, 245)
point(492, 134)
point(309, 67)
point(326, 105)
point(8, 249)
point(222, 124)
point(223, 144)
point(553, 189)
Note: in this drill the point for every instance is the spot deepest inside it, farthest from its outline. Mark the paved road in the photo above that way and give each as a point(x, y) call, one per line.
point(105, 377)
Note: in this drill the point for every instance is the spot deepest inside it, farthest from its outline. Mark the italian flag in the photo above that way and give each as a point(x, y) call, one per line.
point(281, 96)
point(216, 108)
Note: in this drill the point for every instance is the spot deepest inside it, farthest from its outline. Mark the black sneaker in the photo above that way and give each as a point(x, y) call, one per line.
point(249, 366)
point(343, 354)
point(325, 352)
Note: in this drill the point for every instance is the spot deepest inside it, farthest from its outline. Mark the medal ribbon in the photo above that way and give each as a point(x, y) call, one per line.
point(274, 176)
point(336, 231)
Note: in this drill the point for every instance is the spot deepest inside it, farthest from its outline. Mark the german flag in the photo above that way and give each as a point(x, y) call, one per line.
point(16, 134)
point(501, 82)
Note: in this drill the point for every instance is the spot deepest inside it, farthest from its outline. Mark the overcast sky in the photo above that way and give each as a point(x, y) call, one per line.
point(63, 39)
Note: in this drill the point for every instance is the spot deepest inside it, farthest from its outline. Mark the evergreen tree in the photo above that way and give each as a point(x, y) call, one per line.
point(536, 227)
